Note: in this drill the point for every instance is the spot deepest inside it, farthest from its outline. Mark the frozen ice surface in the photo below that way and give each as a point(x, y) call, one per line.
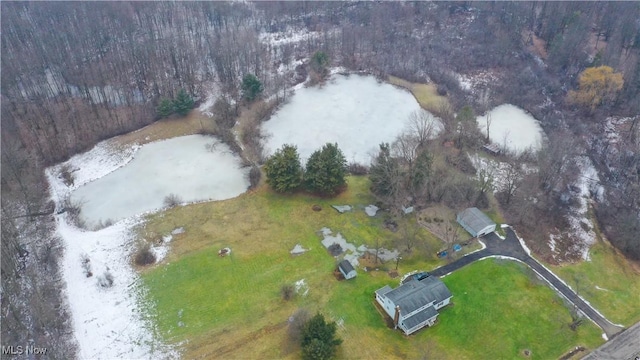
point(181, 166)
point(512, 127)
point(357, 112)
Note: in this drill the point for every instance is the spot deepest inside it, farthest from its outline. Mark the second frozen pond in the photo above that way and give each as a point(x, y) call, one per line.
point(357, 112)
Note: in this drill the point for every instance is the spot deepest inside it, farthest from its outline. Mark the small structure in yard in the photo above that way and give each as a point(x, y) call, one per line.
point(475, 222)
point(347, 270)
point(492, 149)
point(342, 208)
point(224, 252)
point(414, 304)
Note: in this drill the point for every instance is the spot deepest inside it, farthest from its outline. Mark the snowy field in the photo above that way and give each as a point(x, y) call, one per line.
point(357, 112)
point(182, 166)
point(103, 290)
point(513, 128)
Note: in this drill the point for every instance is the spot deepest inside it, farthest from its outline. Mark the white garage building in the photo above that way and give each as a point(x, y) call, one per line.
point(475, 222)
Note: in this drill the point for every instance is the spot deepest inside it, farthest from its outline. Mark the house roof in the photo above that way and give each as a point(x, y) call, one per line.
point(415, 294)
point(346, 266)
point(383, 290)
point(419, 317)
point(474, 219)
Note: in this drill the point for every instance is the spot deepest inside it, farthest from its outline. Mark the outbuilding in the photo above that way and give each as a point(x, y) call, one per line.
point(347, 269)
point(475, 222)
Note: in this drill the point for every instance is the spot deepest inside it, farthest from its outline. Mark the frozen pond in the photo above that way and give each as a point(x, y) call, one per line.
point(185, 166)
point(357, 112)
point(513, 128)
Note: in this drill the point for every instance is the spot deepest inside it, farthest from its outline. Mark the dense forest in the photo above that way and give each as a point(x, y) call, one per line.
point(75, 73)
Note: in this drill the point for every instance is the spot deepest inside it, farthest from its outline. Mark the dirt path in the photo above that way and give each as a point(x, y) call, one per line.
point(511, 247)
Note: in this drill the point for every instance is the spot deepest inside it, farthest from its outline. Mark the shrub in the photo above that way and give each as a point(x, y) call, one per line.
point(442, 90)
point(145, 256)
point(172, 200)
point(67, 175)
point(102, 224)
point(106, 280)
point(335, 249)
point(319, 63)
point(86, 265)
point(72, 208)
point(357, 169)
point(287, 291)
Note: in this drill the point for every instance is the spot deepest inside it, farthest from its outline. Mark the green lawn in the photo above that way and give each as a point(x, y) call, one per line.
point(608, 281)
point(231, 307)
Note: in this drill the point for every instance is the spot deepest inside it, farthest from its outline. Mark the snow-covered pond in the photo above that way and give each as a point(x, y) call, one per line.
point(186, 166)
point(357, 112)
point(513, 128)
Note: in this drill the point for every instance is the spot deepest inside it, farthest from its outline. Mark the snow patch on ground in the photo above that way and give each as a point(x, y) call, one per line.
point(581, 226)
point(552, 244)
point(160, 252)
point(101, 160)
point(512, 128)
point(108, 322)
point(212, 93)
point(476, 80)
point(288, 36)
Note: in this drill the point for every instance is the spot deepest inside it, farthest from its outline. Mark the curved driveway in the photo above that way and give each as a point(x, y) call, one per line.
point(511, 247)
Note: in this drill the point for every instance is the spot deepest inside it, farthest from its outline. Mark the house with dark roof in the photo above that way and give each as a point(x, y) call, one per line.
point(414, 304)
point(475, 222)
point(347, 269)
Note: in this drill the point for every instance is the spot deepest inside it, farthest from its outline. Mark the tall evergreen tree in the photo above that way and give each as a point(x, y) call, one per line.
point(319, 339)
point(165, 108)
point(251, 87)
point(283, 169)
point(183, 103)
point(384, 173)
point(326, 170)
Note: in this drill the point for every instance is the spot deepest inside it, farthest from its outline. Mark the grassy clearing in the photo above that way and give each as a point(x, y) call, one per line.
point(499, 311)
point(231, 307)
point(426, 94)
point(193, 123)
point(609, 282)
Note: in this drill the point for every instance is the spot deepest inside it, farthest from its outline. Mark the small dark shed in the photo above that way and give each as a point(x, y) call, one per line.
point(347, 269)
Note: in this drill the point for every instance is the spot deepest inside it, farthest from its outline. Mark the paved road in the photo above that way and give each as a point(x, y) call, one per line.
point(625, 346)
point(511, 247)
